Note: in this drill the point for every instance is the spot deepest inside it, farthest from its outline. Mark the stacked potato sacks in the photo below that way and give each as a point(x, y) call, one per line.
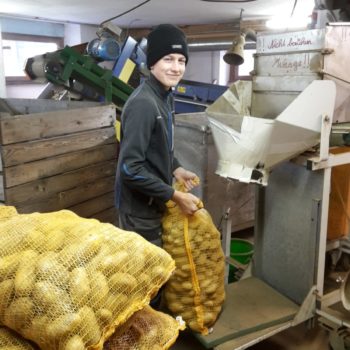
point(196, 289)
point(9, 340)
point(146, 329)
point(66, 282)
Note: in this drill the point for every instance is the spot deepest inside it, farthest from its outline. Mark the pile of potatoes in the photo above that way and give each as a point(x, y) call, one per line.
point(11, 341)
point(146, 329)
point(67, 282)
point(196, 289)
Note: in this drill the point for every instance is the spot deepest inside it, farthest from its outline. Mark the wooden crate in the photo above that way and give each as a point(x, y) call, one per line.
point(57, 155)
point(339, 198)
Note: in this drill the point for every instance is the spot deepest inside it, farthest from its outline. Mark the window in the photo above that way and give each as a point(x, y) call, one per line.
point(242, 72)
point(18, 48)
point(248, 64)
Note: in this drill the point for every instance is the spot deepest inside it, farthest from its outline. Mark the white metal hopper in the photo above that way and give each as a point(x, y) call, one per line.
point(248, 147)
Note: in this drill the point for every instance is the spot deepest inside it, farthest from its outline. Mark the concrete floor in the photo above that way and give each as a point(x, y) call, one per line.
point(296, 338)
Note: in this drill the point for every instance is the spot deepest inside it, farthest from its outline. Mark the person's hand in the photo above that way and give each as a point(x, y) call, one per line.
point(187, 202)
point(186, 177)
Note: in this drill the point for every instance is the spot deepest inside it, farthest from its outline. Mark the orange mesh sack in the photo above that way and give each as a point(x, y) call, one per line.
point(66, 282)
point(9, 340)
point(146, 329)
point(196, 289)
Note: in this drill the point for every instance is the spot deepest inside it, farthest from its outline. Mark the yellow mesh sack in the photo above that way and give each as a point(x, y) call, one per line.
point(146, 329)
point(66, 282)
point(196, 289)
point(9, 340)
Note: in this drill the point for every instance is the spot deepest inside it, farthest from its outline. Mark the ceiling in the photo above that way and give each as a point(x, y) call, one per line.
point(149, 13)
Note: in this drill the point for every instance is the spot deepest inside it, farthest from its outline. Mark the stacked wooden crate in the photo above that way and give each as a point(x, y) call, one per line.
point(58, 155)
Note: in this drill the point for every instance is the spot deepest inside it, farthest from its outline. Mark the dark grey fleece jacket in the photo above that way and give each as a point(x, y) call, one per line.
point(146, 160)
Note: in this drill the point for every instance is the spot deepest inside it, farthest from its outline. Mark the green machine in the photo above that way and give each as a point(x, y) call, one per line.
point(78, 73)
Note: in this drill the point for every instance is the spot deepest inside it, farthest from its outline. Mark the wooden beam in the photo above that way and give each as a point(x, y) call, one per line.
point(219, 30)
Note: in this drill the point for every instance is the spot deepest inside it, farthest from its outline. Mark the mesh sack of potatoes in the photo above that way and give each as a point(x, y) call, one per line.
point(10, 340)
point(196, 289)
point(146, 329)
point(66, 282)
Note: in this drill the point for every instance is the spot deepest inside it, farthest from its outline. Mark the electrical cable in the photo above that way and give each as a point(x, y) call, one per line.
point(294, 6)
point(232, 1)
point(124, 13)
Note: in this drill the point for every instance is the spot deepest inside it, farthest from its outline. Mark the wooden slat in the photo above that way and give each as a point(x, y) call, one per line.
point(109, 215)
point(27, 172)
point(2, 196)
point(36, 105)
point(66, 199)
point(94, 205)
point(47, 187)
point(43, 125)
point(34, 150)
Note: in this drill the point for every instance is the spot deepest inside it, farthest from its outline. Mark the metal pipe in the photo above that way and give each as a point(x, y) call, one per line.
point(215, 45)
point(333, 319)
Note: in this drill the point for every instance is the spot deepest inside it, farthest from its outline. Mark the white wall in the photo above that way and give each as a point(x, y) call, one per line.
point(73, 34)
point(24, 91)
point(207, 67)
point(203, 66)
point(2, 71)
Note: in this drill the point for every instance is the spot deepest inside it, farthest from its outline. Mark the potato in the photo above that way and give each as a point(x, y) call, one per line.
point(79, 286)
point(51, 299)
point(25, 274)
point(7, 289)
point(8, 265)
point(209, 303)
point(204, 284)
point(177, 251)
point(195, 326)
point(211, 288)
point(104, 317)
point(89, 326)
point(176, 287)
point(74, 343)
point(209, 318)
point(143, 280)
point(186, 286)
point(62, 325)
point(49, 268)
point(116, 302)
point(36, 330)
point(98, 290)
point(79, 254)
point(95, 262)
point(55, 240)
point(121, 282)
point(171, 297)
point(34, 240)
point(116, 262)
point(158, 273)
point(188, 301)
point(188, 314)
point(176, 307)
point(19, 314)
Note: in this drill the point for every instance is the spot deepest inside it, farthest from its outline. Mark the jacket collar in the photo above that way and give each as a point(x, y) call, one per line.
point(158, 87)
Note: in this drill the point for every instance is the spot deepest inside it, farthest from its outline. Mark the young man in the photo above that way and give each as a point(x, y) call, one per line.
point(146, 163)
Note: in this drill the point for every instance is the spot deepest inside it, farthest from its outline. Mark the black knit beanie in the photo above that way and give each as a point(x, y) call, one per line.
point(163, 40)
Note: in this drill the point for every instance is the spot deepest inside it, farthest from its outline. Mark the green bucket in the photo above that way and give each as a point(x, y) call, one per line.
point(242, 251)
